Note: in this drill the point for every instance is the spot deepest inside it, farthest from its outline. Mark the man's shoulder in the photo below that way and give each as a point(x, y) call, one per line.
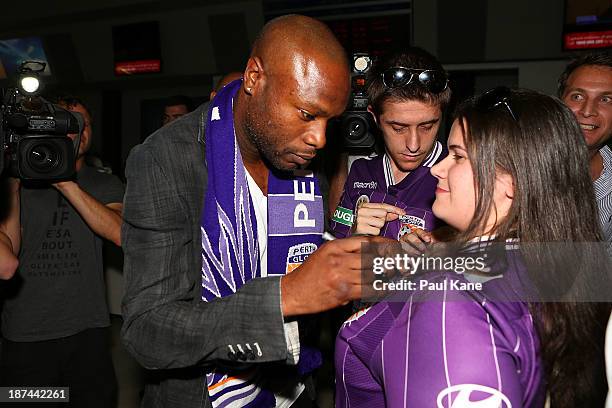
point(603, 184)
point(606, 154)
point(99, 174)
point(368, 163)
point(100, 184)
point(365, 173)
point(92, 178)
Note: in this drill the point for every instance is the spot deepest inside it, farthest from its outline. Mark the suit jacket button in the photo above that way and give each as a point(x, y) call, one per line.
point(250, 354)
point(232, 356)
point(241, 356)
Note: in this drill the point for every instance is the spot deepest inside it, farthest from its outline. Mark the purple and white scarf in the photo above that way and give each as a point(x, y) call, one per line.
point(230, 253)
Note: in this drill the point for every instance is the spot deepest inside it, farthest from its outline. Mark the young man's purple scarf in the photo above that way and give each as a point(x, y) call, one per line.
point(230, 252)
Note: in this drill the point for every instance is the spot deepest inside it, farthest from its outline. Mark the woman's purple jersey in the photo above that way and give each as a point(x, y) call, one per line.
point(430, 351)
point(371, 180)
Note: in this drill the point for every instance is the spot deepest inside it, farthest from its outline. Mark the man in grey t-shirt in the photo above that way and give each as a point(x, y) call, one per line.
point(55, 320)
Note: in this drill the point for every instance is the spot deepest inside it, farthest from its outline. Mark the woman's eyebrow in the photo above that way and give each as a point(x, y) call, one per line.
point(454, 146)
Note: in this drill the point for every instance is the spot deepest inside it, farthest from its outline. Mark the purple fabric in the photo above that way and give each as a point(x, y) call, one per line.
point(295, 220)
point(415, 194)
point(262, 400)
point(229, 228)
point(230, 253)
point(448, 349)
point(414, 217)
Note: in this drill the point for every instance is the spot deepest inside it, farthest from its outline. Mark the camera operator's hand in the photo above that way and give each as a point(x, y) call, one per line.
point(8, 259)
point(371, 217)
point(330, 277)
point(104, 220)
point(10, 233)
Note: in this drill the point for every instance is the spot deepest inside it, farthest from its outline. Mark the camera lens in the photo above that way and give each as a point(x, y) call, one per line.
point(43, 157)
point(357, 129)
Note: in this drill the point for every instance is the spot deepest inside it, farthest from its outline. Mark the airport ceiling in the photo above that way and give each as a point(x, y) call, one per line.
point(28, 15)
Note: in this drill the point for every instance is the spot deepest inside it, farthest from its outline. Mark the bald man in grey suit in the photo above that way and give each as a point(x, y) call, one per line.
point(295, 80)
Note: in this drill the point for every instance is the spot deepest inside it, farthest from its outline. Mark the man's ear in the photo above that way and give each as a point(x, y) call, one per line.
point(253, 74)
point(371, 110)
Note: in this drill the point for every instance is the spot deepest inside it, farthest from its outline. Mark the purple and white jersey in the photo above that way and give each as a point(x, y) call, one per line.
point(430, 351)
point(371, 180)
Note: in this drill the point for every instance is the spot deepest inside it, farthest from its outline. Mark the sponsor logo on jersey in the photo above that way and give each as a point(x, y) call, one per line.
point(408, 223)
point(297, 255)
point(343, 216)
point(370, 184)
point(472, 396)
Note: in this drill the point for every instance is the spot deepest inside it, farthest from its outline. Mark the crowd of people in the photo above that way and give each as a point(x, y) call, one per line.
point(229, 256)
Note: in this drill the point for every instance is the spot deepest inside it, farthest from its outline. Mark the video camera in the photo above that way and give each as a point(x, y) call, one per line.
point(34, 142)
point(357, 124)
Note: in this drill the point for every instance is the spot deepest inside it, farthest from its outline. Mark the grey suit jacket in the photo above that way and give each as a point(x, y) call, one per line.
point(167, 328)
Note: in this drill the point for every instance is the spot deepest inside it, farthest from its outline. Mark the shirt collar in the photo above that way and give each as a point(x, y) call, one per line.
point(429, 161)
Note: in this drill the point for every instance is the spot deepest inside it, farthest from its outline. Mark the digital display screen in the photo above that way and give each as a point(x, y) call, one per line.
point(372, 35)
point(588, 24)
point(137, 48)
point(361, 26)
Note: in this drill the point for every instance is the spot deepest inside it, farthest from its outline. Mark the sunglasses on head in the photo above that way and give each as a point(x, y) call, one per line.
point(434, 81)
point(496, 97)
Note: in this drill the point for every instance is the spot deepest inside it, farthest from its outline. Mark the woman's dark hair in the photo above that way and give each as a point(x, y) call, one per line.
point(535, 139)
point(413, 57)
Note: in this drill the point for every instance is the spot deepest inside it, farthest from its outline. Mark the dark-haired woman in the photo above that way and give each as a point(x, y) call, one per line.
point(516, 172)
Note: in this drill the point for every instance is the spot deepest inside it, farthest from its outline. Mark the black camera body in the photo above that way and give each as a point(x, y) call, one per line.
point(356, 124)
point(34, 142)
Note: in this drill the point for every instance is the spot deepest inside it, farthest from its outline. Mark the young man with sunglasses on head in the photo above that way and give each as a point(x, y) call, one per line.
point(392, 193)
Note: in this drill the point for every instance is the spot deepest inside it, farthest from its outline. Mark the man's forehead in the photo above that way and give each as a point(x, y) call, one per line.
point(411, 109)
point(312, 74)
point(316, 84)
point(591, 74)
point(175, 108)
point(325, 100)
